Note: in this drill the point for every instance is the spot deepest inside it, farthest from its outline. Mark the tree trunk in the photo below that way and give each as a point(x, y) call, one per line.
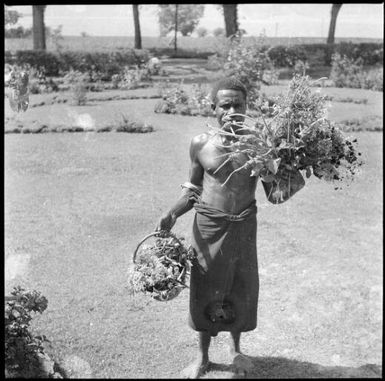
point(333, 21)
point(231, 19)
point(138, 36)
point(38, 27)
point(176, 27)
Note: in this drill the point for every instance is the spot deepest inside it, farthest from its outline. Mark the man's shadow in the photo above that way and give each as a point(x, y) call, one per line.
point(280, 367)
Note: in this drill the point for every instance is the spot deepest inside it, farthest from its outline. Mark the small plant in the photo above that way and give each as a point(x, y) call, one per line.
point(214, 62)
point(22, 348)
point(140, 76)
point(127, 124)
point(78, 85)
point(115, 80)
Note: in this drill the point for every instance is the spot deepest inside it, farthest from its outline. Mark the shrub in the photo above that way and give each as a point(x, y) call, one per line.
point(202, 31)
point(219, 32)
point(321, 54)
point(78, 85)
point(369, 53)
point(35, 59)
point(106, 64)
point(22, 348)
point(176, 100)
point(372, 79)
point(134, 78)
point(286, 56)
point(347, 72)
point(127, 124)
point(248, 62)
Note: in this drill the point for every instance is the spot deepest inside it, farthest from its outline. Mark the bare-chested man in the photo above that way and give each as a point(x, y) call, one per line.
point(224, 282)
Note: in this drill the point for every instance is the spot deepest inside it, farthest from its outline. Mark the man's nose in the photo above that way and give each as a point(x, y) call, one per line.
point(232, 110)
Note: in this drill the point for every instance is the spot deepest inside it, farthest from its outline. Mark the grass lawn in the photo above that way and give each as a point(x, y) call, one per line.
point(76, 205)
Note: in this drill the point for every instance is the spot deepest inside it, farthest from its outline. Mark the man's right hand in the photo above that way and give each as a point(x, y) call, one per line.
point(166, 222)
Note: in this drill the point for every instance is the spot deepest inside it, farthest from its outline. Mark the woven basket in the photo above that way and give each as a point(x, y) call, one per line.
point(166, 295)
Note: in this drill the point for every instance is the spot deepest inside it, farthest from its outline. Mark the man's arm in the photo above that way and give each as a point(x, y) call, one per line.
point(290, 182)
point(190, 190)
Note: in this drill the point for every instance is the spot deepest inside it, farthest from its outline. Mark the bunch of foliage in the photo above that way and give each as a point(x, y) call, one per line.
point(297, 136)
point(177, 100)
point(21, 346)
point(161, 269)
point(347, 72)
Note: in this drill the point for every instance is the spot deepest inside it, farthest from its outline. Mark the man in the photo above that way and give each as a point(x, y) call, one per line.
point(224, 281)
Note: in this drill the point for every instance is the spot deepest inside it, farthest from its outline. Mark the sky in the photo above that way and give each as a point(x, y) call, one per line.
point(273, 20)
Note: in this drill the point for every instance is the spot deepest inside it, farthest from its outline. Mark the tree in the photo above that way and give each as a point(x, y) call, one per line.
point(38, 27)
point(333, 21)
point(231, 19)
point(11, 17)
point(188, 17)
point(138, 36)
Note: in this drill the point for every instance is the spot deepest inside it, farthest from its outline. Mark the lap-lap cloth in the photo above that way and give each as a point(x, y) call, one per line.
point(224, 281)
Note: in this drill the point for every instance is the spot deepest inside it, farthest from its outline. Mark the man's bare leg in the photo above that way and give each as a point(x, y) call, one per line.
point(198, 367)
point(241, 362)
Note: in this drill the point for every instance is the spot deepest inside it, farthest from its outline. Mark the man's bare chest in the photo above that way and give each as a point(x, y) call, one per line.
point(221, 162)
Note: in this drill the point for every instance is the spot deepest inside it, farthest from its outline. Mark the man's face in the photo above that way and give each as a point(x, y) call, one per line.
point(229, 102)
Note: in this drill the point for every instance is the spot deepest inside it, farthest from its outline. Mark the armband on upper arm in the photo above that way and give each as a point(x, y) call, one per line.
point(193, 191)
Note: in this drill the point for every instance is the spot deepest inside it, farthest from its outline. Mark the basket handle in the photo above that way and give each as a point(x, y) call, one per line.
point(159, 233)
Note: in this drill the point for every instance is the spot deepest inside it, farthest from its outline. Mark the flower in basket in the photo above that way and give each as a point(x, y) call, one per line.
point(161, 269)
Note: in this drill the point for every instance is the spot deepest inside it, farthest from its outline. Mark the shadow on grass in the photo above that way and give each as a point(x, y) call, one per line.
point(280, 367)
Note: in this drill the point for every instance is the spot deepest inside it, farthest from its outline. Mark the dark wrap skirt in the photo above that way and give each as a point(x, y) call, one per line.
point(224, 281)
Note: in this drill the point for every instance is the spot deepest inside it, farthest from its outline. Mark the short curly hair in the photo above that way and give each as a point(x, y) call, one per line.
point(228, 83)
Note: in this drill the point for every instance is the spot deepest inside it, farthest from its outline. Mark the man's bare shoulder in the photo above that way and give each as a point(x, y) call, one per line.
point(201, 139)
point(197, 143)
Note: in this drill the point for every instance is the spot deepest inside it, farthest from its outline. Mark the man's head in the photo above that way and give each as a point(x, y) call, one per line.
point(228, 96)
point(230, 83)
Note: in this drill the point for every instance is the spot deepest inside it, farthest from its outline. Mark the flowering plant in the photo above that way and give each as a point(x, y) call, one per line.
point(18, 80)
point(297, 136)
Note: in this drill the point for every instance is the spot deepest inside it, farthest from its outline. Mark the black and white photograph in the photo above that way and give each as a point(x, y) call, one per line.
point(193, 190)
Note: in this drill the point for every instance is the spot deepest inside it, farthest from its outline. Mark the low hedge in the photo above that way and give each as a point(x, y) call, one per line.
point(111, 63)
point(58, 63)
point(320, 54)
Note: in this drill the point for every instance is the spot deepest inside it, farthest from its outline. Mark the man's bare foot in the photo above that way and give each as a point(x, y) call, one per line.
point(242, 364)
point(195, 370)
